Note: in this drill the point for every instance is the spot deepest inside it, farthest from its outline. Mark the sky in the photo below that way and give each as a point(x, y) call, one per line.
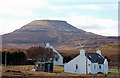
point(96, 16)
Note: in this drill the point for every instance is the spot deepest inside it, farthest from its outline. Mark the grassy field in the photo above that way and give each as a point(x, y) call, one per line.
point(22, 67)
point(114, 73)
point(58, 71)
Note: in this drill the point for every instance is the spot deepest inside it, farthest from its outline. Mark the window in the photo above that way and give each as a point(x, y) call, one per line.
point(76, 66)
point(56, 59)
point(99, 66)
point(94, 66)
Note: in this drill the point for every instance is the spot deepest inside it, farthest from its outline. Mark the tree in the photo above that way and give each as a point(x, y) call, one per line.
point(107, 58)
point(13, 58)
point(39, 53)
point(67, 59)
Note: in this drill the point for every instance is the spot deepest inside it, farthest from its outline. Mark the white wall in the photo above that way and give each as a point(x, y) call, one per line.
point(60, 60)
point(89, 64)
point(94, 68)
point(105, 66)
point(71, 66)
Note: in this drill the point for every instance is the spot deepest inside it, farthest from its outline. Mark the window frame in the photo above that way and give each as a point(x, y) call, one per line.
point(76, 66)
point(94, 66)
point(100, 67)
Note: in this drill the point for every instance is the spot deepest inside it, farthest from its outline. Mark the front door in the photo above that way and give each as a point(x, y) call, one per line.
point(48, 67)
point(100, 67)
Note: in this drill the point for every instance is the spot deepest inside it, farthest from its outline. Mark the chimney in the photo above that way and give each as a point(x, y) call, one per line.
point(82, 52)
point(47, 45)
point(99, 52)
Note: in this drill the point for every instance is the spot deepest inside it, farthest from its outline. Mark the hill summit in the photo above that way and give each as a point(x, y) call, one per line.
point(56, 32)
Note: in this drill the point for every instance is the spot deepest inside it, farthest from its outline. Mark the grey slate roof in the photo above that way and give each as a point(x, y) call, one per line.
point(95, 58)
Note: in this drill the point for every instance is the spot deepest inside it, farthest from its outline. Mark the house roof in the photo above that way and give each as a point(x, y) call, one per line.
point(54, 50)
point(95, 58)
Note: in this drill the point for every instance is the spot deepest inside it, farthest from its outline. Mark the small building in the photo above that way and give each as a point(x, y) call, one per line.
point(59, 61)
point(44, 66)
point(87, 63)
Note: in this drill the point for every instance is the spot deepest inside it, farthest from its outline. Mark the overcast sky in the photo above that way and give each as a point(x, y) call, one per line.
point(97, 16)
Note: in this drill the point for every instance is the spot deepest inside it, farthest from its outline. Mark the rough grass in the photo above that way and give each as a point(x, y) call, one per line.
point(0, 70)
point(114, 73)
point(58, 71)
point(22, 67)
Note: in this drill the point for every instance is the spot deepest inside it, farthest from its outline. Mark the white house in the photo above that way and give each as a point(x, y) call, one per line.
point(59, 61)
point(87, 63)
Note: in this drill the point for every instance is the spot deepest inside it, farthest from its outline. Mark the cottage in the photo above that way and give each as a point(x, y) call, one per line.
point(87, 63)
point(59, 61)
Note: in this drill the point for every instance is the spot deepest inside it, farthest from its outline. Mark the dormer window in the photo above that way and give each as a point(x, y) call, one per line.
point(90, 57)
point(99, 56)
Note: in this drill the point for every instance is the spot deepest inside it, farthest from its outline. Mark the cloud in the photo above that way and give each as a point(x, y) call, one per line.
point(108, 6)
point(82, 0)
point(88, 6)
point(20, 7)
point(115, 6)
point(7, 26)
point(106, 27)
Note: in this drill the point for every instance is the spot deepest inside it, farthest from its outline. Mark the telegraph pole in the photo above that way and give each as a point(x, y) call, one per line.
point(5, 58)
point(86, 62)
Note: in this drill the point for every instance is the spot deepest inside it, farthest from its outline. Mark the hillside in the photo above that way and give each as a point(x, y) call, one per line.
point(58, 33)
point(107, 50)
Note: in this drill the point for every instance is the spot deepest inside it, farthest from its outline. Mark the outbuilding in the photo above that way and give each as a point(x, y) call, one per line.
point(44, 66)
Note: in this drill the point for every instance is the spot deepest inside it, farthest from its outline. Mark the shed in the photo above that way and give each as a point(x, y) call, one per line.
point(44, 66)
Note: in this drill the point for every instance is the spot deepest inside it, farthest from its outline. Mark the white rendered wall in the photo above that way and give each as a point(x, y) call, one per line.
point(89, 65)
point(105, 66)
point(94, 70)
point(71, 66)
point(60, 60)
